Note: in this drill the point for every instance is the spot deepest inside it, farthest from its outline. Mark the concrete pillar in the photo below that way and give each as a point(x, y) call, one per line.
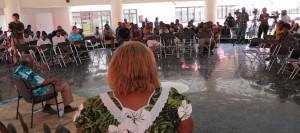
point(116, 13)
point(62, 16)
point(11, 7)
point(211, 10)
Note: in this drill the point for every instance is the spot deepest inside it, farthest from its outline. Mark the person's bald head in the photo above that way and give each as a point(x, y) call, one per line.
point(27, 60)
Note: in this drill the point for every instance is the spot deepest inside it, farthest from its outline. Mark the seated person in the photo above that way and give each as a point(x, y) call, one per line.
point(118, 28)
point(285, 35)
point(108, 34)
point(136, 34)
point(205, 41)
point(37, 36)
point(148, 31)
point(80, 32)
point(25, 72)
point(124, 34)
point(62, 31)
point(45, 40)
point(58, 38)
point(97, 34)
point(136, 103)
point(189, 27)
point(225, 31)
point(163, 29)
point(51, 35)
point(74, 36)
point(27, 37)
point(172, 27)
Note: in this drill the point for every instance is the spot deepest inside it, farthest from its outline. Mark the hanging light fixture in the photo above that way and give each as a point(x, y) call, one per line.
point(68, 1)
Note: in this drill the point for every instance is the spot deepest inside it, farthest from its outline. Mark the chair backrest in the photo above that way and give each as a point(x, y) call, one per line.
point(22, 48)
point(62, 44)
point(156, 38)
point(290, 44)
point(33, 42)
point(202, 35)
point(296, 36)
point(89, 37)
point(268, 37)
point(46, 46)
point(82, 42)
point(268, 43)
point(255, 42)
point(23, 89)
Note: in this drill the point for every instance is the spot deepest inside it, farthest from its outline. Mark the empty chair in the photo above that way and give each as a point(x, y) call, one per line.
point(154, 43)
point(205, 41)
point(186, 43)
point(48, 56)
point(168, 44)
point(252, 50)
point(65, 52)
point(81, 50)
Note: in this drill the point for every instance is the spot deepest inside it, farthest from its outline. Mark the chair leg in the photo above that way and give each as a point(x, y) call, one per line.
point(17, 116)
point(32, 115)
point(57, 107)
point(42, 104)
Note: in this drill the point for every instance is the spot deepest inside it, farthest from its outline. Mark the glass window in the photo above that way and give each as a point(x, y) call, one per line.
point(184, 16)
point(88, 21)
point(219, 12)
point(130, 15)
point(197, 14)
point(178, 14)
point(191, 14)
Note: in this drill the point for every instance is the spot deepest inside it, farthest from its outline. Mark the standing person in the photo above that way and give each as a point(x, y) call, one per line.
point(284, 17)
point(156, 23)
point(243, 18)
point(231, 23)
point(136, 102)
point(17, 29)
point(264, 25)
point(109, 35)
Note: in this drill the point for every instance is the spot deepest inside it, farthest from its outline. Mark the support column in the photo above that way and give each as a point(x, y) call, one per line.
point(116, 13)
point(62, 16)
point(11, 7)
point(211, 10)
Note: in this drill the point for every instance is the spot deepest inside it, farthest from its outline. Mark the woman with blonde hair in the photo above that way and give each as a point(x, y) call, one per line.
point(137, 103)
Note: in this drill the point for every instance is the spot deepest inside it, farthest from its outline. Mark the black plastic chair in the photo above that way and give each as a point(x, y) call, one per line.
point(25, 91)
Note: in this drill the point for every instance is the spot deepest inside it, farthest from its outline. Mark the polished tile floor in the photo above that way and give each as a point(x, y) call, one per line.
point(229, 94)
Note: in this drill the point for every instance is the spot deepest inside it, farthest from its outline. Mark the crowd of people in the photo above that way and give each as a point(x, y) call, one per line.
point(138, 82)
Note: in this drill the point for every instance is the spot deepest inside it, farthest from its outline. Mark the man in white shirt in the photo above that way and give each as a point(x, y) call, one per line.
point(284, 17)
point(43, 40)
point(27, 37)
point(58, 38)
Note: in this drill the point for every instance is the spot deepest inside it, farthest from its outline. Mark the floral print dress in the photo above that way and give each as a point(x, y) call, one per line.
point(104, 114)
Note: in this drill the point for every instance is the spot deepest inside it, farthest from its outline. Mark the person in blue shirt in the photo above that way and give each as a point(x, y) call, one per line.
point(25, 72)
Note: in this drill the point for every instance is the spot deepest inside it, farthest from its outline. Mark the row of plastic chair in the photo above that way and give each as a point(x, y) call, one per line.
point(268, 48)
point(179, 43)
